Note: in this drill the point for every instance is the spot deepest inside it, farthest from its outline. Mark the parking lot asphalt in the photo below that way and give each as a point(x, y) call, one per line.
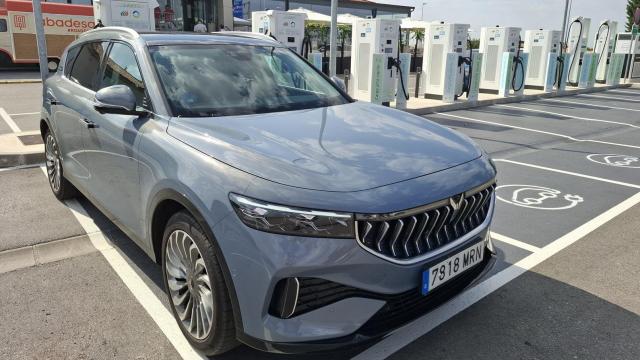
point(566, 228)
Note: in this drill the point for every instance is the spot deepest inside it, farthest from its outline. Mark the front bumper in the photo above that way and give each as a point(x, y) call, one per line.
point(399, 310)
point(257, 261)
point(387, 294)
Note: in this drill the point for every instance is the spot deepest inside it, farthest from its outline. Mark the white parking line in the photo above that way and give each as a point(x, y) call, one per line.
point(27, 113)
point(409, 333)
point(537, 131)
point(154, 307)
point(610, 97)
point(569, 116)
point(7, 119)
point(587, 104)
point(624, 91)
point(569, 173)
point(514, 242)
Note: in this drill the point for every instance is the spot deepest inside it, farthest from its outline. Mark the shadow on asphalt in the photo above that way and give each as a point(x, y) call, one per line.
point(533, 317)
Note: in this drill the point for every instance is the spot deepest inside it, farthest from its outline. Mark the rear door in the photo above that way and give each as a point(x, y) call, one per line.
point(71, 102)
point(111, 143)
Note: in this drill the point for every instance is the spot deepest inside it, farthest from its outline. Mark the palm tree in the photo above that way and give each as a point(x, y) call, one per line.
point(344, 31)
point(418, 35)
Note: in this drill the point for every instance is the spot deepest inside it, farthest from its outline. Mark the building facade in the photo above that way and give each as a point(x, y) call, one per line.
point(360, 8)
point(184, 15)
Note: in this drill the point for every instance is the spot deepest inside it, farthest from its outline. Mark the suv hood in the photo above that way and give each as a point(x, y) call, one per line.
point(351, 147)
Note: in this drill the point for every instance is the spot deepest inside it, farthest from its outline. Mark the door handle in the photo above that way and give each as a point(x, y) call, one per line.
point(90, 124)
point(53, 102)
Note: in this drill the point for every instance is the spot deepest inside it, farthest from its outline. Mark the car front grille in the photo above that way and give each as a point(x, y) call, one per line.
point(409, 234)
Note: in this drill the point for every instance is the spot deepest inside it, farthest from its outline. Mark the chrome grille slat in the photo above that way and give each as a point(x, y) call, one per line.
point(477, 205)
point(418, 235)
point(431, 226)
point(381, 235)
point(396, 234)
point(413, 221)
point(411, 233)
point(443, 220)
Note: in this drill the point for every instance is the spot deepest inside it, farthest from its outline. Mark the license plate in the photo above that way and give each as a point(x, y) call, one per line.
point(452, 266)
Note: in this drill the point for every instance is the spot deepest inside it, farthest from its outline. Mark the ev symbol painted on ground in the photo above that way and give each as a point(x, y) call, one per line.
point(537, 197)
point(624, 161)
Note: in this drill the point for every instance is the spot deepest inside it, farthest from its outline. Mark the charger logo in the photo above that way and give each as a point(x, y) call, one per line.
point(20, 21)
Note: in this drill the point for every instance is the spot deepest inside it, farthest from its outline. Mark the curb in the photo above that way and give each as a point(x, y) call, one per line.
point(513, 99)
point(21, 81)
point(15, 160)
point(39, 254)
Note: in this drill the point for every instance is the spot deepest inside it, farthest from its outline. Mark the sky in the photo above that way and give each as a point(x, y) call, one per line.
point(533, 14)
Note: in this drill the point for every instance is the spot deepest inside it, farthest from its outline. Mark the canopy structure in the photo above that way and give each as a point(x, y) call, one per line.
point(318, 18)
point(347, 19)
point(312, 16)
point(408, 23)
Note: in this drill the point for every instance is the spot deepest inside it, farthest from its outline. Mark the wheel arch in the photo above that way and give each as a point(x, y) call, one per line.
point(166, 203)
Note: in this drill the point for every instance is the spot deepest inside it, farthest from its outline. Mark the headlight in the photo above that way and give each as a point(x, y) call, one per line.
point(292, 221)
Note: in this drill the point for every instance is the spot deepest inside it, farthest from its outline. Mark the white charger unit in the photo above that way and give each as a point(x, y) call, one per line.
point(441, 39)
point(494, 41)
point(577, 46)
point(629, 46)
point(137, 15)
point(539, 44)
point(286, 27)
point(374, 36)
point(605, 38)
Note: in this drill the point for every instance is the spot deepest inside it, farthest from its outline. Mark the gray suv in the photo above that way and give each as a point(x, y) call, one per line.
point(286, 215)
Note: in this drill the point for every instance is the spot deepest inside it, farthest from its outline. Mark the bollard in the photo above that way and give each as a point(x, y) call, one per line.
point(418, 73)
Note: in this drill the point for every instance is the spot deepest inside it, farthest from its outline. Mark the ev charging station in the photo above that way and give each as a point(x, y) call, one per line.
point(628, 49)
point(577, 46)
point(605, 37)
point(285, 27)
point(543, 47)
point(494, 42)
point(135, 14)
point(445, 52)
point(375, 48)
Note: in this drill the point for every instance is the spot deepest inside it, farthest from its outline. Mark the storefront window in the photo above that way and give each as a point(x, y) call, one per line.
point(184, 15)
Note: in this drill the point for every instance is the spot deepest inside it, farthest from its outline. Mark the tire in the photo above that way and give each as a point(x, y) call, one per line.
point(188, 280)
point(60, 187)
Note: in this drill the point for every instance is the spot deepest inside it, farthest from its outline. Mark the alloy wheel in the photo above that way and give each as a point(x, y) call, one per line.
point(52, 155)
point(189, 285)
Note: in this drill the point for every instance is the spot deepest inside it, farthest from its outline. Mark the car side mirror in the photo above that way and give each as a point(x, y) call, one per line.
point(339, 82)
point(116, 99)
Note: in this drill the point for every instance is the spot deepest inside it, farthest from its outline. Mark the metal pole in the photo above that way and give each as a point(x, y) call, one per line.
point(40, 39)
point(564, 21)
point(333, 53)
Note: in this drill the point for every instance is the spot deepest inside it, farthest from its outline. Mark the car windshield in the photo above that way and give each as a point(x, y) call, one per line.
point(228, 79)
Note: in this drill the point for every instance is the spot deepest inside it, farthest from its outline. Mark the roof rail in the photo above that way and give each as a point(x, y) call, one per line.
point(246, 34)
point(134, 34)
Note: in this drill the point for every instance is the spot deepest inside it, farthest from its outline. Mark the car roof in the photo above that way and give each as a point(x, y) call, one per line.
point(235, 37)
point(173, 38)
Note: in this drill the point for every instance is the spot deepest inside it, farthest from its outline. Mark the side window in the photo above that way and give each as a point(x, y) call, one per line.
point(71, 56)
point(87, 63)
point(3, 25)
point(121, 68)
